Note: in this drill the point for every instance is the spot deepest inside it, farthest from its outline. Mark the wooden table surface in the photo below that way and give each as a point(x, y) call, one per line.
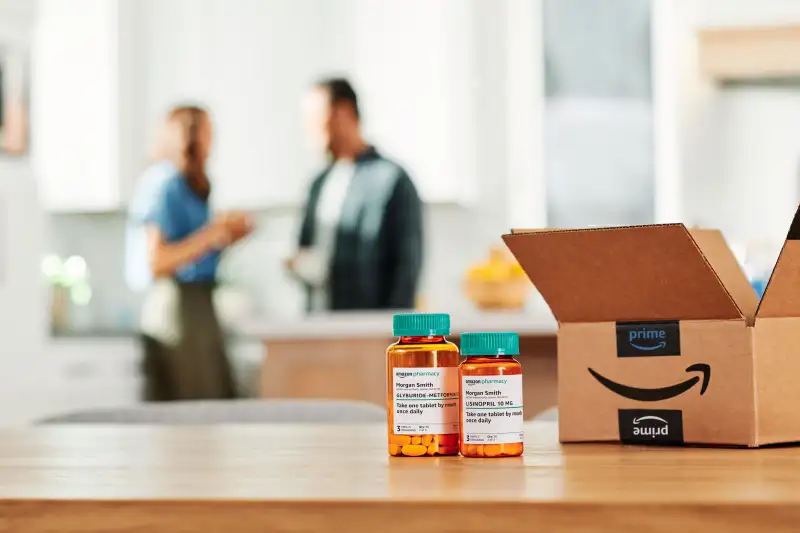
point(339, 479)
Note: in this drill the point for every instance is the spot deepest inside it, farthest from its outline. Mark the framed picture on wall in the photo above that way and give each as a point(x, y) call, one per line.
point(14, 102)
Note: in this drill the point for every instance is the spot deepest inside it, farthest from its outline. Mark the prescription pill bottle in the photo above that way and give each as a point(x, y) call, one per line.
point(490, 387)
point(422, 387)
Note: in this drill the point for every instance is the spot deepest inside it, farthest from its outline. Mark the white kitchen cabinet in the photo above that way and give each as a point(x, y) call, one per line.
point(411, 61)
point(94, 373)
point(414, 61)
point(250, 64)
point(81, 103)
point(107, 71)
point(262, 157)
point(16, 17)
point(72, 374)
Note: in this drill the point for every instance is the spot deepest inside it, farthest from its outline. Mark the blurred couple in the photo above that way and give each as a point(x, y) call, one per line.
point(360, 243)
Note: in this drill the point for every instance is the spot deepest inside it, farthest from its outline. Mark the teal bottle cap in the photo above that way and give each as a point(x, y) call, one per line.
point(421, 324)
point(490, 344)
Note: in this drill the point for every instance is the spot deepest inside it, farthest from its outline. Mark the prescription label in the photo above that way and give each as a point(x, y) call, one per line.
point(492, 409)
point(425, 401)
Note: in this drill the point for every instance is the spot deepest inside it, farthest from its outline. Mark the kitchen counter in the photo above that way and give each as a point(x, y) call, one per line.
point(341, 355)
point(94, 333)
point(359, 325)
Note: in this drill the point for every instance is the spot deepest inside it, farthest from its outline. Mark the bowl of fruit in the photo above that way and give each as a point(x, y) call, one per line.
point(499, 283)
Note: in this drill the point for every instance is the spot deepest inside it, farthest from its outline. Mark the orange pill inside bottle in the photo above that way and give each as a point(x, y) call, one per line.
point(422, 387)
point(490, 390)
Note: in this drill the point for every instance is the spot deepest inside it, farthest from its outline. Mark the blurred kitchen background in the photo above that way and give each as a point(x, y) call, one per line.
point(507, 113)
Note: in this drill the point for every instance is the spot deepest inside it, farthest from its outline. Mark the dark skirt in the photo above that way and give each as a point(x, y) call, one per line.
point(197, 368)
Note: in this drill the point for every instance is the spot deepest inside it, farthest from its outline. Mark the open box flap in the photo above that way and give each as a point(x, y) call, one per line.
point(633, 273)
point(782, 295)
point(717, 252)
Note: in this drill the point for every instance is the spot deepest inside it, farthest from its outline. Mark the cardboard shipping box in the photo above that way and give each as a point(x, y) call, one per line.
point(662, 339)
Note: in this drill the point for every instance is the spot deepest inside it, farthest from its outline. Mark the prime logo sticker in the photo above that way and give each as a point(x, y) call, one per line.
point(648, 339)
point(650, 426)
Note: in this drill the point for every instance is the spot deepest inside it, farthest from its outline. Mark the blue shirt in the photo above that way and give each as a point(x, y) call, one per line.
point(163, 198)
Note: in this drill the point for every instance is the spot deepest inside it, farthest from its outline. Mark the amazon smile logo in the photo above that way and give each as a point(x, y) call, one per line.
point(649, 429)
point(660, 393)
point(637, 421)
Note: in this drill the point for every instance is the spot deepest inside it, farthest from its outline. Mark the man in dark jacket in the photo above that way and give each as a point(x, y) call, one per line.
point(360, 244)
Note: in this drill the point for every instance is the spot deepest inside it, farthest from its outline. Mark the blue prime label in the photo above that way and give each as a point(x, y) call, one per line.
point(648, 339)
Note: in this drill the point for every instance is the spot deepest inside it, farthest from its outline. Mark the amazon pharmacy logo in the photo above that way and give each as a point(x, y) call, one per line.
point(648, 339)
point(651, 426)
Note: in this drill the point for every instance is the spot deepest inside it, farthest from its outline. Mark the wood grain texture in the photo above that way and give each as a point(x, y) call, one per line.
point(324, 478)
point(332, 369)
point(750, 53)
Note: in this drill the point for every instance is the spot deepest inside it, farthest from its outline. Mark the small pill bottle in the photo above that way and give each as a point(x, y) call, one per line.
point(490, 388)
point(422, 387)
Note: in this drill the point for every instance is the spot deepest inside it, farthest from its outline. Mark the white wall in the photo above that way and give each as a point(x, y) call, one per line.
point(760, 150)
point(737, 149)
point(23, 324)
point(522, 90)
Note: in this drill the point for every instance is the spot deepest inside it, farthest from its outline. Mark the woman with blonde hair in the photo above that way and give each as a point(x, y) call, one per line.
point(173, 248)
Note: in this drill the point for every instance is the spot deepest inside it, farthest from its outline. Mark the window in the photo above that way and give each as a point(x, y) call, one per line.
point(598, 117)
